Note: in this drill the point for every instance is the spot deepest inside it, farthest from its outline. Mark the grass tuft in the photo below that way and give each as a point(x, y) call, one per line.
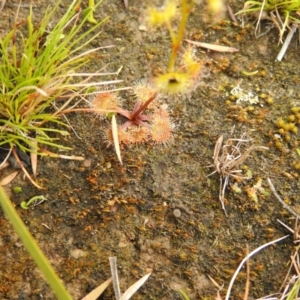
point(40, 77)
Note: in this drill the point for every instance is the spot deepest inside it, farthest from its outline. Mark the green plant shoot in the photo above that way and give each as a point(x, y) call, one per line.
point(34, 201)
point(40, 78)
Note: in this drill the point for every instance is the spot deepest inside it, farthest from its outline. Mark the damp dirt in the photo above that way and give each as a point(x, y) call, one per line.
point(159, 212)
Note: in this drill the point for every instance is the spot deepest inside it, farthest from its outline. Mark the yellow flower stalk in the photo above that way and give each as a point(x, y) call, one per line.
point(190, 64)
point(158, 17)
point(178, 79)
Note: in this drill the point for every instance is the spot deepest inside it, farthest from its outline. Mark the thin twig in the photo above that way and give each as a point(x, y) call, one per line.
point(286, 43)
point(227, 157)
point(281, 201)
point(231, 14)
point(245, 259)
point(257, 28)
point(287, 227)
point(295, 263)
point(115, 277)
point(24, 170)
point(248, 276)
point(6, 158)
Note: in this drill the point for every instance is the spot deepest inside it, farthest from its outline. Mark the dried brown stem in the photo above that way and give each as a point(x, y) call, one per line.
point(281, 201)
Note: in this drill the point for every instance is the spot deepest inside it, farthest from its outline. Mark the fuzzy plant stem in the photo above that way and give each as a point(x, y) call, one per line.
point(286, 43)
point(185, 10)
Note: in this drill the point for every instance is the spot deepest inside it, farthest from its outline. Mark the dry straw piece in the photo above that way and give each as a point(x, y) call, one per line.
point(228, 156)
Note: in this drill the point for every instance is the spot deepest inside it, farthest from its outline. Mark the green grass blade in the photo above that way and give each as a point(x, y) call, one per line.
point(33, 248)
point(184, 295)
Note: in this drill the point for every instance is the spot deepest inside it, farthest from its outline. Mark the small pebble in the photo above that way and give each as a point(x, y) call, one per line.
point(177, 213)
point(87, 163)
point(142, 28)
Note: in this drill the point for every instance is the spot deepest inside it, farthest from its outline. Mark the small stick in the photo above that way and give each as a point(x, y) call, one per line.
point(286, 43)
point(281, 201)
point(115, 278)
point(295, 264)
point(287, 227)
point(248, 276)
point(259, 17)
point(285, 280)
point(231, 14)
point(245, 259)
point(6, 158)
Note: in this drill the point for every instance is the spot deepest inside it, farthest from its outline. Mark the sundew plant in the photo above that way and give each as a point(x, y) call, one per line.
point(149, 120)
point(41, 80)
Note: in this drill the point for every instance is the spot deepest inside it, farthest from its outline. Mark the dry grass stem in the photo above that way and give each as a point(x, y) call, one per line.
point(8, 179)
point(245, 259)
point(228, 156)
point(281, 201)
point(24, 170)
point(114, 128)
point(133, 288)
point(291, 283)
point(5, 163)
point(247, 287)
point(218, 48)
point(115, 277)
point(98, 291)
point(215, 283)
point(116, 284)
point(286, 42)
point(231, 14)
point(33, 158)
